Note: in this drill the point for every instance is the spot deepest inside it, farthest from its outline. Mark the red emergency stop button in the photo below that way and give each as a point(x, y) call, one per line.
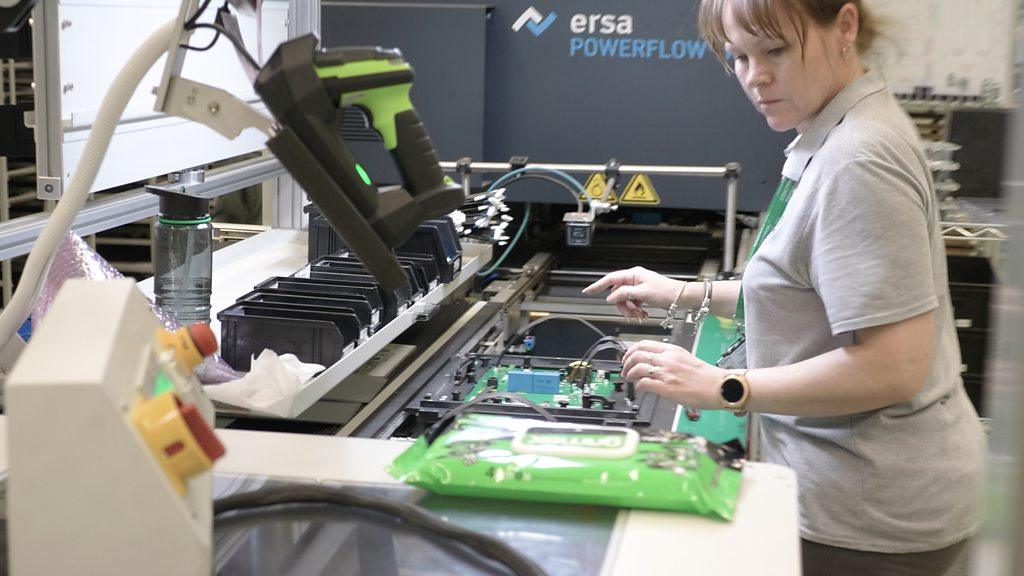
point(178, 437)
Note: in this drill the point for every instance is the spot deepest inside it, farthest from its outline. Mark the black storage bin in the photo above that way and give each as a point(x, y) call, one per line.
point(419, 282)
point(437, 238)
point(323, 240)
point(394, 302)
point(308, 286)
point(426, 264)
point(318, 337)
point(360, 306)
point(354, 320)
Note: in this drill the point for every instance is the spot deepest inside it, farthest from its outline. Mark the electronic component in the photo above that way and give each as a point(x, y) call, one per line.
point(529, 342)
point(579, 228)
point(530, 382)
point(580, 372)
point(584, 392)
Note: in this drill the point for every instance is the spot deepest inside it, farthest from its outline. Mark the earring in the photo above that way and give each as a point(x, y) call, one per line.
point(845, 52)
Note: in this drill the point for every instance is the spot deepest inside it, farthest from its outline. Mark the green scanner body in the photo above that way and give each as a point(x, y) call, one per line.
point(305, 90)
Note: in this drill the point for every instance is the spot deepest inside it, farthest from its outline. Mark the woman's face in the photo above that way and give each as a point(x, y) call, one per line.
point(787, 87)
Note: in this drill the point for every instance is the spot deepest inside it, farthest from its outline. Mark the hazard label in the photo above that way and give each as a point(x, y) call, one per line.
point(595, 188)
point(640, 191)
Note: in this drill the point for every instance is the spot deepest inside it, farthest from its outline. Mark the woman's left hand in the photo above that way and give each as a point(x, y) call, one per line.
point(674, 373)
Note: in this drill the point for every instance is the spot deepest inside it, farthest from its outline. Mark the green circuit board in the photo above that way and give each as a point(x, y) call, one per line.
point(601, 383)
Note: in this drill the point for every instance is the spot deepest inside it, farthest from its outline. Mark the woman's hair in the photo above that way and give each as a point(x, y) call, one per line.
point(763, 18)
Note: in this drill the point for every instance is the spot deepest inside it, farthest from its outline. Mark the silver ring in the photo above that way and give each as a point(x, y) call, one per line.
point(650, 357)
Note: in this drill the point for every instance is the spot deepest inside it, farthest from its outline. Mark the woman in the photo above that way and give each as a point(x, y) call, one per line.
point(852, 354)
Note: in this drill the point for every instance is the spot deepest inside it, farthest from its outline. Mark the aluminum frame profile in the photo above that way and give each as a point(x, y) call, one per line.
point(46, 73)
point(284, 199)
point(18, 236)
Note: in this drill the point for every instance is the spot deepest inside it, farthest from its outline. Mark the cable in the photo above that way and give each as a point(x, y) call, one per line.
point(612, 339)
point(239, 46)
point(549, 178)
point(562, 317)
point(598, 349)
point(568, 182)
point(61, 219)
point(601, 348)
point(463, 368)
point(407, 514)
point(195, 17)
point(212, 43)
point(437, 428)
point(541, 321)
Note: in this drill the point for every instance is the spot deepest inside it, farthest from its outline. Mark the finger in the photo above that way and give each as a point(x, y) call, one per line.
point(648, 346)
point(622, 293)
point(660, 388)
point(636, 372)
point(630, 310)
point(635, 308)
point(609, 280)
point(629, 363)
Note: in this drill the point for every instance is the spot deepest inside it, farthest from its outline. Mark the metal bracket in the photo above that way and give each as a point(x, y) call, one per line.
point(212, 185)
point(175, 54)
point(464, 169)
point(215, 108)
point(49, 188)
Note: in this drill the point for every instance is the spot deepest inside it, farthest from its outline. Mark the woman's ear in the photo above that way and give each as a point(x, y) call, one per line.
point(848, 25)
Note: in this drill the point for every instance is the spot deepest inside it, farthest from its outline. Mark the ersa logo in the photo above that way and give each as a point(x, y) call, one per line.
point(604, 24)
point(534, 21)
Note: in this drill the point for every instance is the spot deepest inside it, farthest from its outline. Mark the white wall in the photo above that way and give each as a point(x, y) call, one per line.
point(955, 47)
point(95, 38)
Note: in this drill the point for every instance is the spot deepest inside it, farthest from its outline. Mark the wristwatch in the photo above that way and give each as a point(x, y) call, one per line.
point(735, 392)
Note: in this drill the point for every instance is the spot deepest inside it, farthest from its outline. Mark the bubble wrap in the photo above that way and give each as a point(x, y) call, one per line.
point(76, 259)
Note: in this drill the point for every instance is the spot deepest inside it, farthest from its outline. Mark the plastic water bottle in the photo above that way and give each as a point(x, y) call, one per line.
point(183, 239)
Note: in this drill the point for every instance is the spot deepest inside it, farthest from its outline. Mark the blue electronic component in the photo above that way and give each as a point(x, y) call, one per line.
point(530, 382)
point(546, 382)
point(529, 342)
point(520, 381)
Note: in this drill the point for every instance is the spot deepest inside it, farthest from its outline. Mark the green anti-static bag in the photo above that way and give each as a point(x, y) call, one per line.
point(519, 459)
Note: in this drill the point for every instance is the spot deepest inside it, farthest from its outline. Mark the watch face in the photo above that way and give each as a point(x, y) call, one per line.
point(732, 390)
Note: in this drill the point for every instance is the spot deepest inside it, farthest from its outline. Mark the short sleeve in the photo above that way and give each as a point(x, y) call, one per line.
point(870, 257)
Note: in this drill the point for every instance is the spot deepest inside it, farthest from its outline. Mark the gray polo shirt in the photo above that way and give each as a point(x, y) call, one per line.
point(859, 246)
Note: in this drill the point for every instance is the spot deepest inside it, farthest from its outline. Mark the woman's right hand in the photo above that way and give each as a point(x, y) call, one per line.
point(633, 288)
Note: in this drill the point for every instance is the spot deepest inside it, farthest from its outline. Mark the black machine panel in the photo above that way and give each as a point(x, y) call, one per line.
point(575, 81)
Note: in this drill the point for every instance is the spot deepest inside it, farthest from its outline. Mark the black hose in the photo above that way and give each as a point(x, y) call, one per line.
point(409, 514)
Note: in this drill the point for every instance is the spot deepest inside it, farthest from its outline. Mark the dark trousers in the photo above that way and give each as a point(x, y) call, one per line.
point(821, 560)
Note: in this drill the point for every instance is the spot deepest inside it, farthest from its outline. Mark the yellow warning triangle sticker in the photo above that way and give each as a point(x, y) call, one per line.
point(640, 191)
point(595, 188)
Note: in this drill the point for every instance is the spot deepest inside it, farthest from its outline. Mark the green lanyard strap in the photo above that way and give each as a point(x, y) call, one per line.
point(775, 210)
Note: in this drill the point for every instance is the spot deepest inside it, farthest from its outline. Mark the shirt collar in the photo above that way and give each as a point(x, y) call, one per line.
point(807, 144)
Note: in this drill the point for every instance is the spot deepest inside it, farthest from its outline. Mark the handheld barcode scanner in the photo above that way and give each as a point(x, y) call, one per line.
point(305, 90)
